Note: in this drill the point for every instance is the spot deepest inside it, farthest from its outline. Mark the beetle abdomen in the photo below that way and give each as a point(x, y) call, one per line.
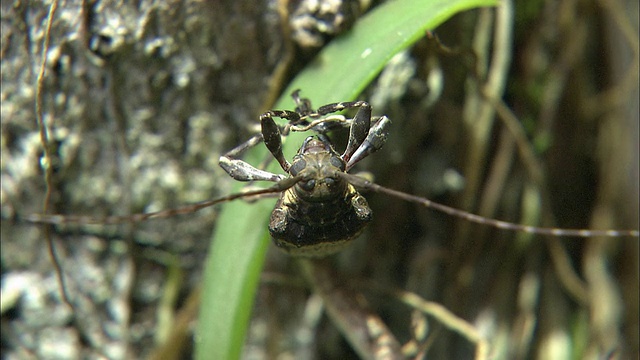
point(318, 229)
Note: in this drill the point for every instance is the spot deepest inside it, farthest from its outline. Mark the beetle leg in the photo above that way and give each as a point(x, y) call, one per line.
point(303, 105)
point(243, 171)
point(272, 138)
point(360, 124)
point(358, 131)
point(373, 142)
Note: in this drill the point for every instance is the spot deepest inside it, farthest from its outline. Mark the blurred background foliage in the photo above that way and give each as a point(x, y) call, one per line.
point(143, 98)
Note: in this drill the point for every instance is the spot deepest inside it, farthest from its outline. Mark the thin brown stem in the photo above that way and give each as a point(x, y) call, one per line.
point(44, 139)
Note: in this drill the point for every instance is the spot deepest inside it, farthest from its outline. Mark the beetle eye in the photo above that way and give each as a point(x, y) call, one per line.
point(337, 162)
point(297, 166)
point(308, 185)
point(330, 181)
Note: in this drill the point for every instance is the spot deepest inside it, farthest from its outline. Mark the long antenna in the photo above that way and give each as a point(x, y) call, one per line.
point(368, 185)
point(187, 209)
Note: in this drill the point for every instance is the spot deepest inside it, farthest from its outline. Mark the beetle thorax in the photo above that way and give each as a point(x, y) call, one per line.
point(318, 164)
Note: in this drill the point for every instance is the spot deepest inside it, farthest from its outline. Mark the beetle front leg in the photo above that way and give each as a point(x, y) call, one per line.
point(358, 131)
point(243, 171)
point(375, 139)
point(273, 138)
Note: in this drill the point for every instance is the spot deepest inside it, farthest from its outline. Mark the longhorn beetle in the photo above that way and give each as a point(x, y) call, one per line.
point(320, 208)
point(297, 210)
